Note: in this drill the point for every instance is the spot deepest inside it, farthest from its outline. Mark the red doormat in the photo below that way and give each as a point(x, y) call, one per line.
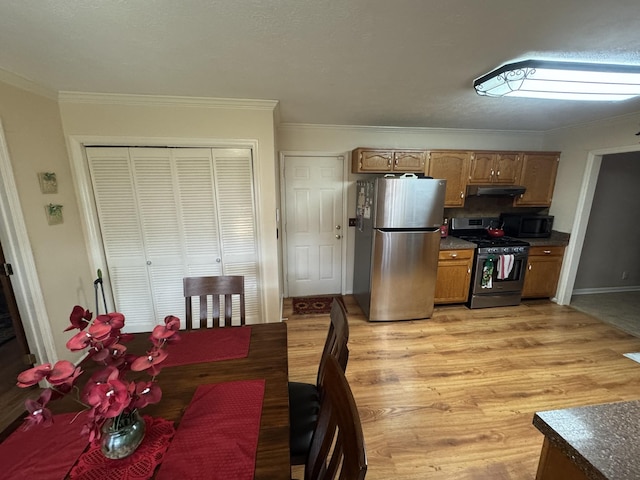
point(314, 305)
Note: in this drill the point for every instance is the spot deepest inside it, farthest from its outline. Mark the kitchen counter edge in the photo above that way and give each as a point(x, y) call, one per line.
point(455, 243)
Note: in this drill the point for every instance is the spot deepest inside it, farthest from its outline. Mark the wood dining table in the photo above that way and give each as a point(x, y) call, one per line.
point(267, 360)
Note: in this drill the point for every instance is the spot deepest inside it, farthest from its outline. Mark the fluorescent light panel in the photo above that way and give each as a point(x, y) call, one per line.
point(561, 80)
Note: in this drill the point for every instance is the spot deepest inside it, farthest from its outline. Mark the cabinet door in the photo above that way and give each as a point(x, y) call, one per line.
point(507, 168)
point(543, 272)
point(454, 168)
point(539, 177)
point(482, 168)
point(409, 161)
point(371, 161)
point(454, 276)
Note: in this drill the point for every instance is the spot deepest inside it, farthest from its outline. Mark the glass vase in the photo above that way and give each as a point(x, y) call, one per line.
point(122, 435)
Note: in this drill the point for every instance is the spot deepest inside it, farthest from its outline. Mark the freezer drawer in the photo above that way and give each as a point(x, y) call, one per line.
point(403, 274)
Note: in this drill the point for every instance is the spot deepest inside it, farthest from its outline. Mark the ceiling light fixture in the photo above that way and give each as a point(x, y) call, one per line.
point(561, 81)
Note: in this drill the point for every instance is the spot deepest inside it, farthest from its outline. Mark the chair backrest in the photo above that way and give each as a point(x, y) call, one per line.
point(213, 288)
point(337, 449)
point(335, 344)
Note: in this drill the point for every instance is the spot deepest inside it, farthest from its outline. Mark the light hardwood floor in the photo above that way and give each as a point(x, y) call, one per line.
point(453, 397)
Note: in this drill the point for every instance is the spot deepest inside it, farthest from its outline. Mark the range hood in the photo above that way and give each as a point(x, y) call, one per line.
point(495, 190)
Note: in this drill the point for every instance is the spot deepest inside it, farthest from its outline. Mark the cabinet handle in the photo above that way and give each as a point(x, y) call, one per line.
point(546, 252)
point(461, 194)
point(468, 271)
point(529, 266)
point(498, 173)
point(492, 172)
point(453, 255)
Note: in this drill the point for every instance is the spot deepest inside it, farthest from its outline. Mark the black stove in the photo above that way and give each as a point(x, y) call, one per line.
point(499, 263)
point(475, 230)
point(497, 244)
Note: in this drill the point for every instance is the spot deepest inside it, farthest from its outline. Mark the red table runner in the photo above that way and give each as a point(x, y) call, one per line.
point(218, 435)
point(45, 453)
point(209, 345)
point(140, 465)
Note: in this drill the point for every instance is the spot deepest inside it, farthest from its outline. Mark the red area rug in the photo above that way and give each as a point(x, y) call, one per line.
point(314, 305)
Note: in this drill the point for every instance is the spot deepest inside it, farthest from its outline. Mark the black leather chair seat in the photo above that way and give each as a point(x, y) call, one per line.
point(304, 406)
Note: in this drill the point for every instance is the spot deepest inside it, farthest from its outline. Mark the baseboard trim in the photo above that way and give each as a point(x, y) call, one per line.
point(591, 291)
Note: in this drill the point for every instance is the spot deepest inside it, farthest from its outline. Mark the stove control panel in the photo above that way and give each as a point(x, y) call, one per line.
point(505, 250)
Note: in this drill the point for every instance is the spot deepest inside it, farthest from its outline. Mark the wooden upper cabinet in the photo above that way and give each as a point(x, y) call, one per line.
point(538, 176)
point(454, 168)
point(409, 160)
point(371, 160)
point(364, 160)
point(495, 167)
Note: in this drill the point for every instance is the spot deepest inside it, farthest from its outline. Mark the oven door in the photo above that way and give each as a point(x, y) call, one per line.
point(498, 291)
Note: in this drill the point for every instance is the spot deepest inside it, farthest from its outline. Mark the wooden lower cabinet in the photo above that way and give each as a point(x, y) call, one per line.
point(543, 271)
point(555, 465)
point(454, 276)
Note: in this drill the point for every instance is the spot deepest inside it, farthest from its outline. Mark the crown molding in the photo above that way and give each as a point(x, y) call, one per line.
point(165, 101)
point(27, 85)
point(404, 130)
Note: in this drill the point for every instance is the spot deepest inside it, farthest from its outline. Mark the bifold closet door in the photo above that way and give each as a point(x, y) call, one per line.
point(166, 213)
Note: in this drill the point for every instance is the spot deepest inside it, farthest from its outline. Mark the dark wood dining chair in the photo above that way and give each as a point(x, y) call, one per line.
point(211, 289)
point(337, 449)
point(305, 398)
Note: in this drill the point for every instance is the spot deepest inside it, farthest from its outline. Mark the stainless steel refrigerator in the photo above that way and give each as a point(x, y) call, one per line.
point(396, 246)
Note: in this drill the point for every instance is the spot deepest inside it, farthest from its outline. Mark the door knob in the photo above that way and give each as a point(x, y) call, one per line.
point(338, 227)
point(338, 237)
point(218, 260)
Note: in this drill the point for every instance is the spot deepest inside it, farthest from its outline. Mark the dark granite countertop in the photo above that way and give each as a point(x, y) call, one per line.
point(454, 243)
point(602, 440)
point(556, 239)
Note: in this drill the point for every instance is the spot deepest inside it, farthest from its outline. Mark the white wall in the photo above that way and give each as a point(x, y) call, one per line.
point(611, 240)
point(582, 148)
point(61, 278)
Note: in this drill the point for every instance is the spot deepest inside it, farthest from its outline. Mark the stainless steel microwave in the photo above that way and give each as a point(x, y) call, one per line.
point(527, 225)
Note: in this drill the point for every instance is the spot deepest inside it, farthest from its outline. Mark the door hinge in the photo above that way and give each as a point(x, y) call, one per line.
point(8, 270)
point(29, 359)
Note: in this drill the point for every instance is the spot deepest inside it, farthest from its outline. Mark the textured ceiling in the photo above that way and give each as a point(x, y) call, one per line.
point(406, 63)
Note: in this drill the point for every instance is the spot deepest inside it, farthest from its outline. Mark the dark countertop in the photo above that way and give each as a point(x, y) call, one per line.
point(454, 243)
point(602, 440)
point(556, 239)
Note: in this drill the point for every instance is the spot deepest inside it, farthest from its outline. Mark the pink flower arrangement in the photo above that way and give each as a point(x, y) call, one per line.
point(107, 394)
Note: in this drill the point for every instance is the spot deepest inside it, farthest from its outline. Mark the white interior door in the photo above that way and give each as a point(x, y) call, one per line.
point(314, 227)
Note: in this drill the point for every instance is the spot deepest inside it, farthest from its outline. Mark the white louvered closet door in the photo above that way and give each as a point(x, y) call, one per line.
point(159, 210)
